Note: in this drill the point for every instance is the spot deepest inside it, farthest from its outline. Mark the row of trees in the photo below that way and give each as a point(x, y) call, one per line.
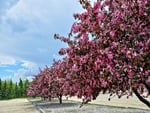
point(9, 90)
point(108, 51)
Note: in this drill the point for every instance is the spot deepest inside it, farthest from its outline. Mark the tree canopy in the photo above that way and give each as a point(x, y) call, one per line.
point(108, 51)
point(9, 89)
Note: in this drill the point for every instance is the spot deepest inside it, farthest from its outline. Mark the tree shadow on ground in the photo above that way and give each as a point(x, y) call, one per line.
point(55, 104)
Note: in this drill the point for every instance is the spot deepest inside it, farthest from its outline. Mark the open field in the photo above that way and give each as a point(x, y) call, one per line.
point(17, 106)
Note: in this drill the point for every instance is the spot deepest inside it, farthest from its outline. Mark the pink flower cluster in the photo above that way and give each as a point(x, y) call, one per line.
point(110, 51)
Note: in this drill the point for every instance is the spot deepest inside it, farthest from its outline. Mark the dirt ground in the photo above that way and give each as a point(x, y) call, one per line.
point(100, 105)
point(69, 106)
point(17, 106)
point(131, 102)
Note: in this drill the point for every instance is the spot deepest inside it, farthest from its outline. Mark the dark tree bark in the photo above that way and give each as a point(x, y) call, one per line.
point(141, 98)
point(60, 98)
point(49, 98)
point(147, 85)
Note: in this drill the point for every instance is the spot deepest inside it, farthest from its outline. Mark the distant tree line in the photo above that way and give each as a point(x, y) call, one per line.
point(9, 89)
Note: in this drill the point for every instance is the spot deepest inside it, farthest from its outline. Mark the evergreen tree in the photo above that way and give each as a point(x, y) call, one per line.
point(0, 88)
point(16, 91)
point(25, 86)
point(10, 89)
point(20, 88)
point(4, 90)
point(0, 84)
point(13, 90)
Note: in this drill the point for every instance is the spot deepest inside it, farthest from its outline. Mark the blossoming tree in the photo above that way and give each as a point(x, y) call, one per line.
point(47, 83)
point(109, 49)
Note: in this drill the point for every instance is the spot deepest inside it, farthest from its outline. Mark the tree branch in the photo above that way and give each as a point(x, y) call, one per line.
point(140, 97)
point(147, 85)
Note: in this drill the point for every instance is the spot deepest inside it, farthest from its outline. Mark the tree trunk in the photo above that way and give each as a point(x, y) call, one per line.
point(60, 99)
point(49, 98)
point(141, 98)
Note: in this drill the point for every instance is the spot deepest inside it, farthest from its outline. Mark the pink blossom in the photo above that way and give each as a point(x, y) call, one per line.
point(104, 83)
point(110, 56)
point(112, 33)
point(108, 50)
point(130, 74)
point(97, 6)
point(100, 17)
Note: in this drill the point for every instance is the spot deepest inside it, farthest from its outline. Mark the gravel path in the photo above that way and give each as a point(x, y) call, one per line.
point(17, 106)
point(70, 106)
point(101, 105)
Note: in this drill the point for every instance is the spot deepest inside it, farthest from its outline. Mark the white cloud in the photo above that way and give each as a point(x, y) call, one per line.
point(31, 67)
point(7, 60)
point(23, 74)
point(27, 28)
point(28, 64)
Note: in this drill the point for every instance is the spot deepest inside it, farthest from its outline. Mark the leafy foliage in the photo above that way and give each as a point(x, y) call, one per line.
point(9, 90)
point(108, 51)
point(47, 83)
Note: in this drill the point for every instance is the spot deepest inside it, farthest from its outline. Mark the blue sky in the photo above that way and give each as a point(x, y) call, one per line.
point(26, 34)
